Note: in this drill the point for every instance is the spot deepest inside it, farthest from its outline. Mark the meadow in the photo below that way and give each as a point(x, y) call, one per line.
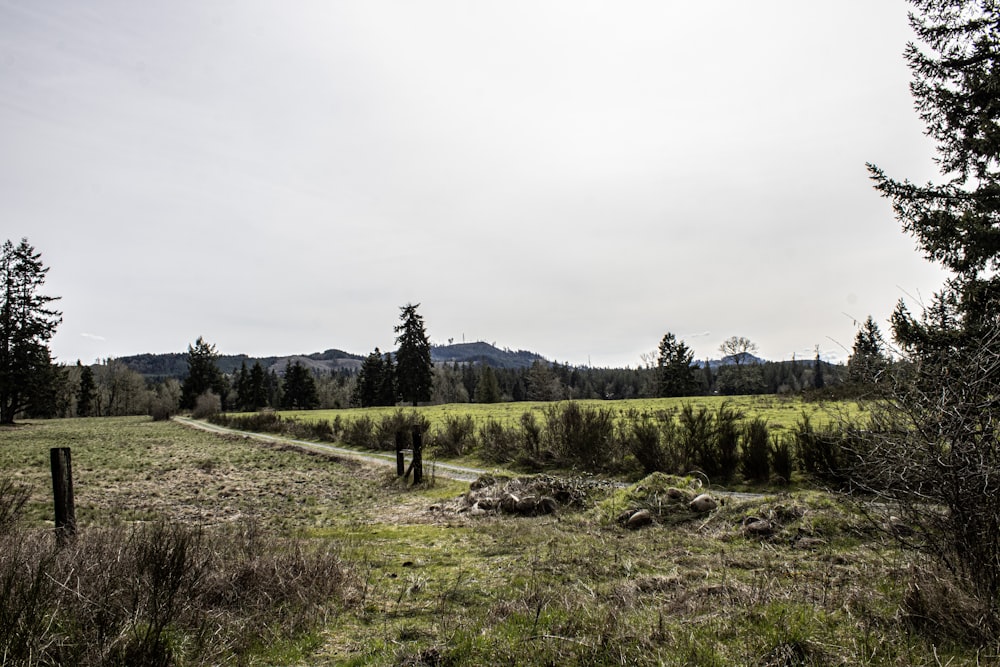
point(779, 412)
point(430, 578)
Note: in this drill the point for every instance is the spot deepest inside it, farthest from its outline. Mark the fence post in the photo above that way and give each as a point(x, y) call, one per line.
point(62, 490)
point(418, 456)
point(400, 460)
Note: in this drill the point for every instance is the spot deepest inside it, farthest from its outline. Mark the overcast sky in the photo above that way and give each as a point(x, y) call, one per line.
point(568, 177)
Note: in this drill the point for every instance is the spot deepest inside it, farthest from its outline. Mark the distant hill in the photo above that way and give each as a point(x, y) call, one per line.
point(484, 354)
point(731, 360)
point(174, 364)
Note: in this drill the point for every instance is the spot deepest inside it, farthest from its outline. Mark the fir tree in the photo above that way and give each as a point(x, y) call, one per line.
point(675, 368)
point(203, 374)
point(85, 392)
point(299, 388)
point(27, 323)
point(414, 379)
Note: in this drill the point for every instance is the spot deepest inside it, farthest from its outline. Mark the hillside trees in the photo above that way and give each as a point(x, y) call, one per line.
point(939, 445)
point(298, 390)
point(203, 374)
point(27, 323)
point(414, 379)
point(675, 368)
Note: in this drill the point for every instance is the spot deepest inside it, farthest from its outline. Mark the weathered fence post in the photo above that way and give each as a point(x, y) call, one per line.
point(418, 456)
point(400, 459)
point(62, 490)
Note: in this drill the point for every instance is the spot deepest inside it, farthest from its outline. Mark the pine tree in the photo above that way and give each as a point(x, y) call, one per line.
point(203, 374)
point(818, 380)
point(368, 387)
point(675, 368)
point(414, 379)
point(27, 323)
point(957, 222)
point(299, 388)
point(868, 360)
point(487, 388)
point(386, 392)
point(85, 392)
point(256, 388)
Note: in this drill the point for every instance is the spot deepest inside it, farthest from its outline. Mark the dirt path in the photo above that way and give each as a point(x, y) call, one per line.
point(448, 470)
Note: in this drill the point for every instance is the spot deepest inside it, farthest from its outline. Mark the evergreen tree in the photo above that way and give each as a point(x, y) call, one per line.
point(956, 222)
point(240, 386)
point(256, 388)
point(675, 368)
point(414, 379)
point(203, 374)
point(386, 393)
point(488, 388)
point(251, 387)
point(376, 384)
point(85, 393)
point(818, 380)
point(299, 388)
point(868, 360)
point(27, 323)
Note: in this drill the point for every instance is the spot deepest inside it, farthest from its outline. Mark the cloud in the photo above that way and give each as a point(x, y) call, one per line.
point(93, 336)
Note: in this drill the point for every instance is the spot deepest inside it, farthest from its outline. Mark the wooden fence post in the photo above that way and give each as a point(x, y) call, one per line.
point(418, 456)
point(62, 490)
point(400, 459)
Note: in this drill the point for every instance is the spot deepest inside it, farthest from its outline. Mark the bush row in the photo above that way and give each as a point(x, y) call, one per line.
point(720, 444)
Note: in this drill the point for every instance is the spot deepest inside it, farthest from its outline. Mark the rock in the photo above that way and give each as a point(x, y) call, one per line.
point(703, 503)
point(546, 505)
point(759, 528)
point(676, 494)
point(488, 504)
point(623, 518)
point(508, 503)
point(639, 519)
point(526, 505)
point(809, 543)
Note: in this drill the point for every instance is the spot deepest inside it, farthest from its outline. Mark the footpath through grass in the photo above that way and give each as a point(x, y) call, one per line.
point(790, 579)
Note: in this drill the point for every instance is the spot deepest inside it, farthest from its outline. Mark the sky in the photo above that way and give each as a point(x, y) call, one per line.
point(569, 177)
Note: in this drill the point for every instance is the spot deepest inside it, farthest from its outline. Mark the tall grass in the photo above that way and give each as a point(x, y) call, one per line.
point(156, 594)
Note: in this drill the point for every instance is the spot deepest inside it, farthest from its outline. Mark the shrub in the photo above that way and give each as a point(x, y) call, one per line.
point(457, 436)
point(158, 594)
point(641, 435)
point(781, 457)
point(695, 439)
point(820, 453)
point(498, 443)
point(727, 440)
point(206, 405)
point(755, 450)
point(582, 436)
point(360, 433)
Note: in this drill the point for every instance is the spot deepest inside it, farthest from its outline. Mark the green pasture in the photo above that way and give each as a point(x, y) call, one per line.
point(779, 412)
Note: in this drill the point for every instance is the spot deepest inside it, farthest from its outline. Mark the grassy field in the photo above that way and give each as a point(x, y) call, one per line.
point(780, 412)
point(439, 581)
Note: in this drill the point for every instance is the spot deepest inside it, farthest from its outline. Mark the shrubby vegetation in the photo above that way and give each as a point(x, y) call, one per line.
point(155, 594)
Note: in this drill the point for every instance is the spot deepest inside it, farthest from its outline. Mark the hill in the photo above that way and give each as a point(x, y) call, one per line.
point(174, 364)
point(485, 354)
